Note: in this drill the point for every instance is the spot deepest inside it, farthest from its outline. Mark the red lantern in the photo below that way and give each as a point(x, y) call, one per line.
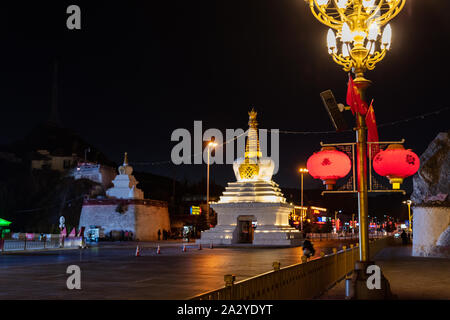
point(329, 165)
point(396, 163)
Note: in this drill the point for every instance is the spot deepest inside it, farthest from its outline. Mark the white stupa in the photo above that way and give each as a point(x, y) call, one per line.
point(125, 183)
point(125, 209)
point(252, 209)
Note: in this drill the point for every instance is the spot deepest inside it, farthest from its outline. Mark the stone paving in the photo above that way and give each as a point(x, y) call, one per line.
point(111, 271)
point(410, 278)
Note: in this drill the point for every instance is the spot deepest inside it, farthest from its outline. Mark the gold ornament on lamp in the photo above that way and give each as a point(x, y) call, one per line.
point(358, 25)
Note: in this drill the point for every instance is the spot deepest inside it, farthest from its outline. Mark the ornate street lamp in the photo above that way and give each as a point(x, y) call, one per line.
point(358, 25)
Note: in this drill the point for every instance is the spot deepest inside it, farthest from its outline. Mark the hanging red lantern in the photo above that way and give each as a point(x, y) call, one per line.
point(329, 165)
point(396, 163)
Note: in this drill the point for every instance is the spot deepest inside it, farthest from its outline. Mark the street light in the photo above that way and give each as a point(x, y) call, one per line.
point(302, 171)
point(409, 202)
point(335, 220)
point(210, 145)
point(358, 24)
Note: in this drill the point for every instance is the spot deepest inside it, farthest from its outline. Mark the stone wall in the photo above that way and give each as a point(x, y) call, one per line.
point(431, 203)
point(142, 217)
point(149, 219)
point(429, 225)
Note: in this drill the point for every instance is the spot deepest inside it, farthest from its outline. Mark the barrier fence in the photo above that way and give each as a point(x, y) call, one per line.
point(305, 280)
point(346, 235)
point(43, 244)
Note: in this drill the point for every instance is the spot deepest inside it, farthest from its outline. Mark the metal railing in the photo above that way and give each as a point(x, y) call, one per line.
point(346, 235)
point(305, 280)
point(53, 243)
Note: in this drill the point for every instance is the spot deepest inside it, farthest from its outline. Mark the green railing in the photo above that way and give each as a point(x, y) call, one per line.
point(305, 280)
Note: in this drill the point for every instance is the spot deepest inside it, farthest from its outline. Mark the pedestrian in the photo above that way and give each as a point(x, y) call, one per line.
point(308, 249)
point(404, 237)
point(159, 234)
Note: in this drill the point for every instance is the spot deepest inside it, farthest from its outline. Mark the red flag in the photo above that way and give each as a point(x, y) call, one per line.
point(372, 131)
point(354, 99)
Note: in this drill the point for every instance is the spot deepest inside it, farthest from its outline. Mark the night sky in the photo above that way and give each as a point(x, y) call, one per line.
point(136, 71)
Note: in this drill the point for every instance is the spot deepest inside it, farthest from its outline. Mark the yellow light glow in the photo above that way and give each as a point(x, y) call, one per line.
point(318, 208)
point(212, 144)
point(396, 186)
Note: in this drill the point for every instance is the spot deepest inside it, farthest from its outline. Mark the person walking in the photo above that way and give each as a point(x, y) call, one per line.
point(404, 237)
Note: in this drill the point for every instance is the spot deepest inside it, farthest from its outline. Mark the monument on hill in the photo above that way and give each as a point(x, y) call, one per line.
point(252, 210)
point(125, 209)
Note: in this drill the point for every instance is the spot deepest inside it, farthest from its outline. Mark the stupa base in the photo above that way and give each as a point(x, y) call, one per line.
point(253, 224)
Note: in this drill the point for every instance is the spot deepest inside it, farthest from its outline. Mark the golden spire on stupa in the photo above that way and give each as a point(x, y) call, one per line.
point(249, 169)
point(252, 149)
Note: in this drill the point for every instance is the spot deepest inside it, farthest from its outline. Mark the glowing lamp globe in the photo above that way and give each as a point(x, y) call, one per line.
point(396, 163)
point(329, 165)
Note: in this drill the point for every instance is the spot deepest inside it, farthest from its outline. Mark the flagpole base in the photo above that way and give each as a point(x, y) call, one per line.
point(364, 286)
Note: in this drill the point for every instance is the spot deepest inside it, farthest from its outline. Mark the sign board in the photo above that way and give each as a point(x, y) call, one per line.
point(196, 210)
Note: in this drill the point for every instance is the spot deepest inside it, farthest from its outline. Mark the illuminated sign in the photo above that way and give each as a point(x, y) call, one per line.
point(321, 220)
point(196, 210)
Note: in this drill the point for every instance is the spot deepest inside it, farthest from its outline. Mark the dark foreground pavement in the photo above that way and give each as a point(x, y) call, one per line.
point(111, 271)
point(410, 278)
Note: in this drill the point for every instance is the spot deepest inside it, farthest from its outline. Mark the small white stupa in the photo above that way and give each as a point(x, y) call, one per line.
point(125, 183)
point(252, 210)
point(125, 210)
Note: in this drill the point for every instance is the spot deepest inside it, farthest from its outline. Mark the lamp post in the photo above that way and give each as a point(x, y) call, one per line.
point(409, 202)
point(210, 145)
point(358, 24)
point(302, 171)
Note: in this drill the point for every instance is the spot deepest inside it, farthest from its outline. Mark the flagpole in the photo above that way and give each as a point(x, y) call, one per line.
point(361, 146)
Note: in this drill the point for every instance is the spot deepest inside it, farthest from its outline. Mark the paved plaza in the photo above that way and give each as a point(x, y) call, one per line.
point(111, 270)
point(410, 278)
